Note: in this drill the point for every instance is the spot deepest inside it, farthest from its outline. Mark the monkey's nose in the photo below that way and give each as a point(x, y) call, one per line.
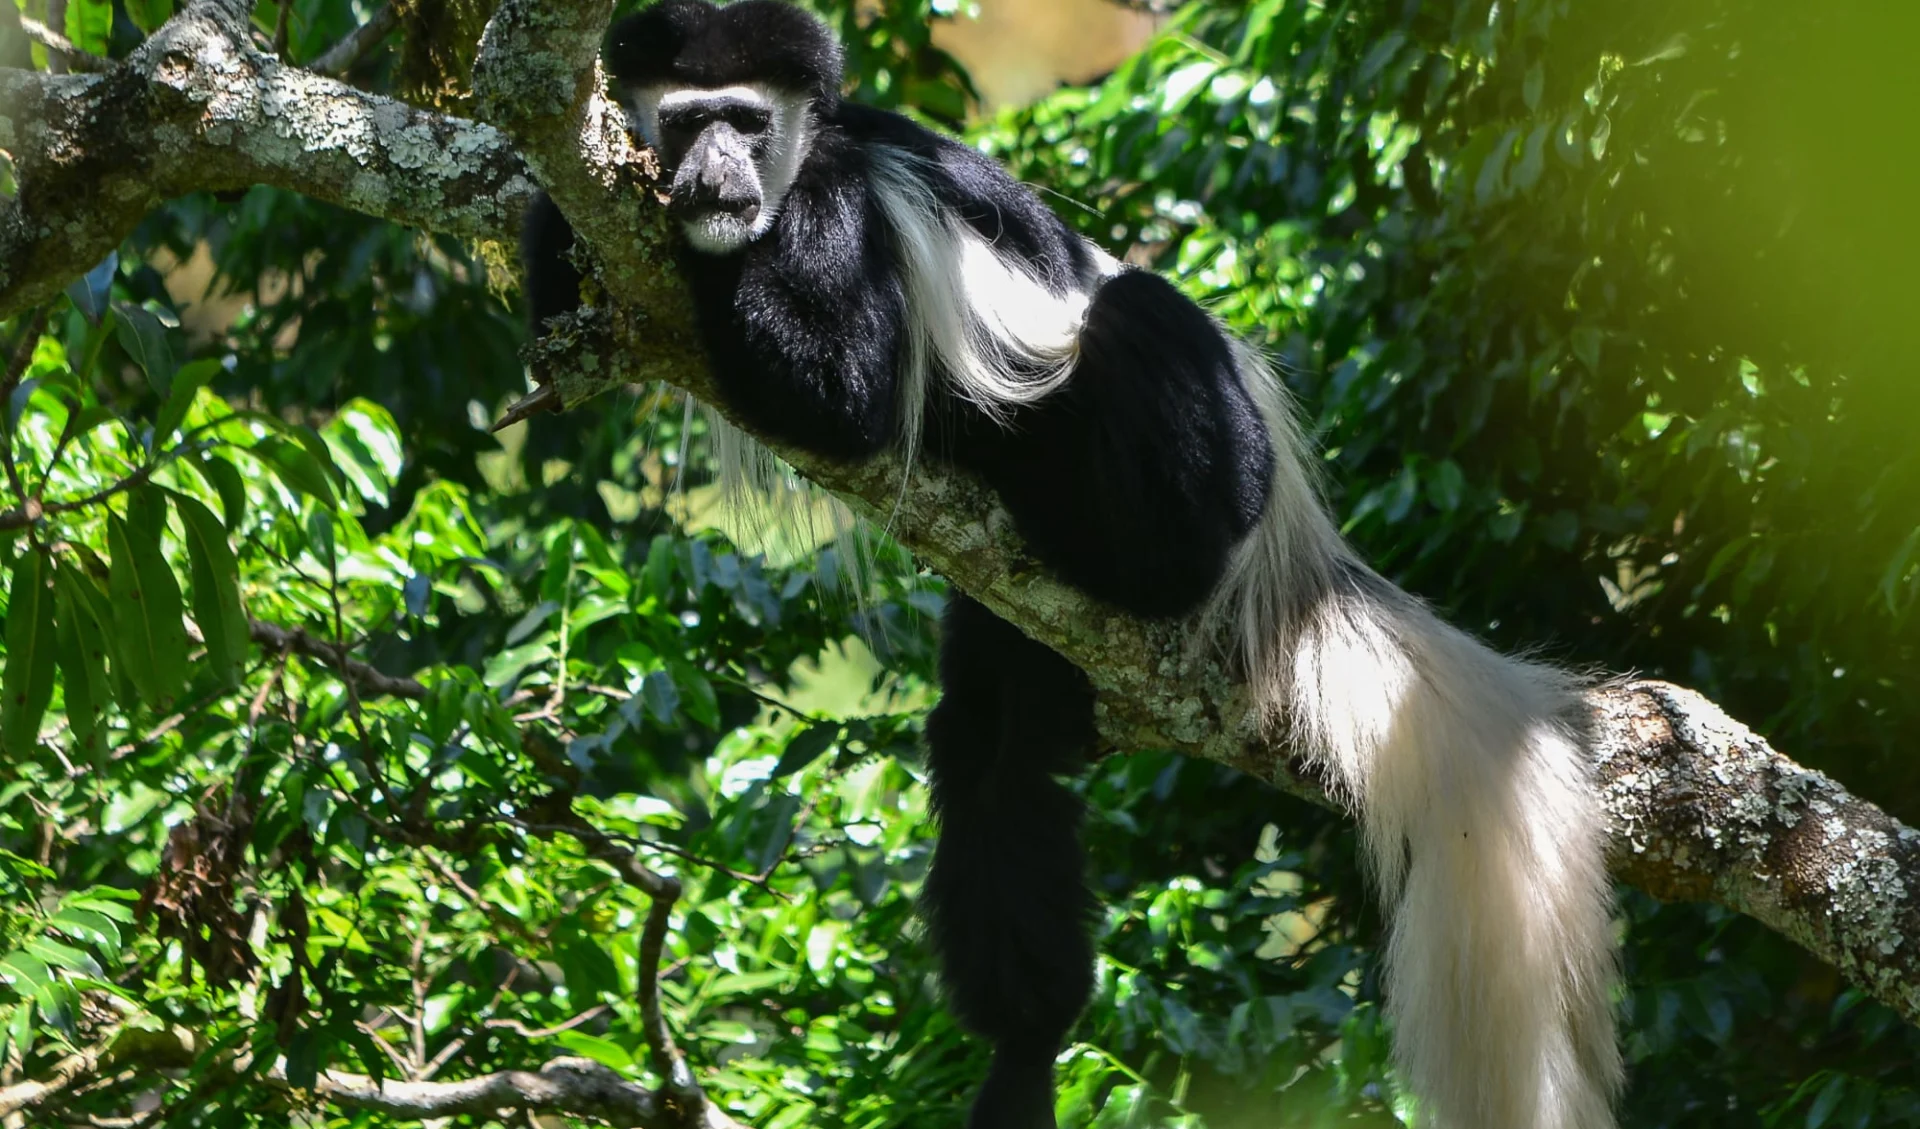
point(693, 206)
point(706, 195)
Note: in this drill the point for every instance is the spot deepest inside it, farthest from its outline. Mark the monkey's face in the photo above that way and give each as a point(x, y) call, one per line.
point(731, 152)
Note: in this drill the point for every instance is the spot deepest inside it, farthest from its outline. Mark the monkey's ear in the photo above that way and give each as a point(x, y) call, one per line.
point(644, 48)
point(775, 42)
point(693, 43)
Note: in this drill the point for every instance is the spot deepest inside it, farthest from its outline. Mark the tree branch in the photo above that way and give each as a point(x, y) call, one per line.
point(60, 45)
point(197, 106)
point(341, 57)
point(574, 1086)
point(364, 678)
point(1700, 806)
point(688, 1102)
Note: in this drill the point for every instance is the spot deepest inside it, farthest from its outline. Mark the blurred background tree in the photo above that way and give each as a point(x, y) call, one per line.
point(1598, 309)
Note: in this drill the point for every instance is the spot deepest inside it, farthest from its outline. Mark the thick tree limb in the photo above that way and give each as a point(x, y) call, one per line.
point(1701, 808)
point(198, 107)
point(576, 1086)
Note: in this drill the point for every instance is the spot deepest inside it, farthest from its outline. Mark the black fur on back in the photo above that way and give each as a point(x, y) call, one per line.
point(696, 43)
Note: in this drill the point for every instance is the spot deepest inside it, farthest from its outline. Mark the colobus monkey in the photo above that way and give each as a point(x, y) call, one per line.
point(860, 283)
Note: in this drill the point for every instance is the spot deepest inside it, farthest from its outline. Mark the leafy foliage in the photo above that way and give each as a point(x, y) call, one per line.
point(315, 694)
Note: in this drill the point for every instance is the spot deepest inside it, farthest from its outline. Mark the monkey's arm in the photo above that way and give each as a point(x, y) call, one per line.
point(804, 329)
point(552, 281)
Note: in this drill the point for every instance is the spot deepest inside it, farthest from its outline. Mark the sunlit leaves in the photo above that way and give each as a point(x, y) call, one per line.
point(294, 464)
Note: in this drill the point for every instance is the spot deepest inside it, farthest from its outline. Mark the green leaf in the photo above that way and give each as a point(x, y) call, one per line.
point(1446, 485)
point(146, 513)
point(316, 446)
point(20, 1030)
point(1533, 160)
point(696, 694)
point(1828, 1098)
point(87, 595)
point(295, 466)
point(320, 538)
point(225, 479)
point(553, 580)
point(81, 647)
point(805, 748)
point(148, 15)
point(89, 23)
point(26, 973)
point(659, 567)
point(1491, 183)
point(65, 957)
point(88, 926)
point(217, 606)
point(27, 685)
point(661, 696)
point(92, 292)
point(505, 667)
point(1586, 346)
point(107, 901)
point(144, 338)
point(187, 383)
point(151, 641)
point(603, 1051)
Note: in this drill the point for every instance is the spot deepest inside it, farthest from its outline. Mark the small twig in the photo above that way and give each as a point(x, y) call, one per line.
point(526, 1032)
point(280, 28)
point(340, 58)
point(639, 844)
point(63, 55)
point(16, 368)
point(359, 674)
point(76, 1068)
point(373, 1032)
point(23, 350)
point(546, 398)
point(174, 720)
point(455, 1045)
point(33, 510)
point(259, 705)
point(67, 434)
point(417, 965)
point(486, 906)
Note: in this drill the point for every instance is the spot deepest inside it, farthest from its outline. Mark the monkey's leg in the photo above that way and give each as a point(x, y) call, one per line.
point(1006, 898)
point(552, 281)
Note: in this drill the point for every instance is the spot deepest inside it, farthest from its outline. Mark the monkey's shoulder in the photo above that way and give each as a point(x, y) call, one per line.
point(969, 185)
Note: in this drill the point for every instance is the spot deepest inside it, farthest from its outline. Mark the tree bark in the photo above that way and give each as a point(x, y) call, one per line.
point(1701, 808)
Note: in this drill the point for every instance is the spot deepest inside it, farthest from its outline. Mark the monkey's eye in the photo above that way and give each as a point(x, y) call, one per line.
point(678, 133)
point(747, 119)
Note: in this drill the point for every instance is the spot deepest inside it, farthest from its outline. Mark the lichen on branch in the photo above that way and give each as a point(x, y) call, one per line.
point(1700, 807)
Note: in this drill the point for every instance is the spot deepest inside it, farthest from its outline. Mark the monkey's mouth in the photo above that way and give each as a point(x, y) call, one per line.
point(720, 230)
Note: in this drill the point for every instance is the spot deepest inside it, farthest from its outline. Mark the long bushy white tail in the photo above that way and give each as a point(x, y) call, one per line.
point(1482, 828)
